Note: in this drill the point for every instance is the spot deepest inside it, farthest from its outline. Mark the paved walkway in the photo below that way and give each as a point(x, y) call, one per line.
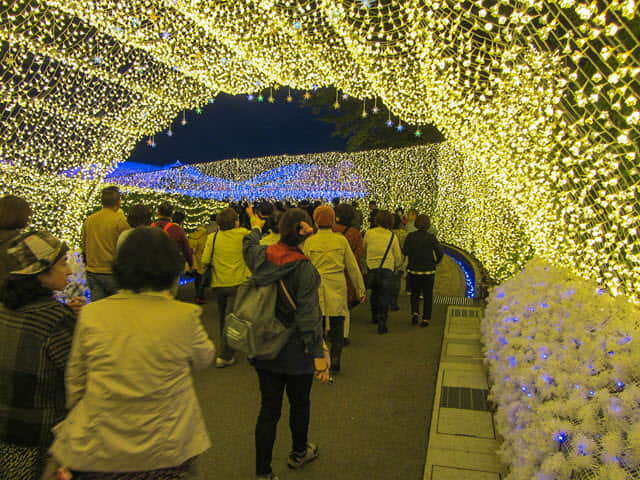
point(373, 423)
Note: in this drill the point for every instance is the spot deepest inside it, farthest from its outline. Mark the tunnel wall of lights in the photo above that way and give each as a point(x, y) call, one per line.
point(538, 101)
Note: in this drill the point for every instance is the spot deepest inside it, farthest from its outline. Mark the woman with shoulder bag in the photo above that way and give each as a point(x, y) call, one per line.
point(383, 258)
point(303, 356)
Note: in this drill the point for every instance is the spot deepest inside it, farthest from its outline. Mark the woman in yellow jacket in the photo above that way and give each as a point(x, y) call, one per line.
point(331, 254)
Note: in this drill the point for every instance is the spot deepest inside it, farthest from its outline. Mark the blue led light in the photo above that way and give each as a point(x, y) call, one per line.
point(561, 437)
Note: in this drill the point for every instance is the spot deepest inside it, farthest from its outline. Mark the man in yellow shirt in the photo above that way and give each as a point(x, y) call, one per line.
point(100, 234)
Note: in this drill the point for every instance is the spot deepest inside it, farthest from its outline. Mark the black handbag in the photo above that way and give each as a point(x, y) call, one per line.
point(207, 276)
point(368, 277)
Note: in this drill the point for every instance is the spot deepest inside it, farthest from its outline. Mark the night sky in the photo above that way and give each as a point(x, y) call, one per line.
point(234, 127)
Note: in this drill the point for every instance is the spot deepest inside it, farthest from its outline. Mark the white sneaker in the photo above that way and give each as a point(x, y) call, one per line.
point(221, 362)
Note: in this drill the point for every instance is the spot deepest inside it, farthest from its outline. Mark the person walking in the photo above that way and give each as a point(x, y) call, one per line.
point(134, 413)
point(174, 231)
point(224, 250)
point(139, 216)
point(273, 228)
point(14, 218)
point(383, 257)
point(424, 252)
point(36, 332)
point(99, 237)
point(303, 356)
point(400, 232)
point(331, 254)
point(345, 216)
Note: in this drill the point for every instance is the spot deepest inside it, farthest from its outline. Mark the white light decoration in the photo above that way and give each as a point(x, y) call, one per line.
point(536, 98)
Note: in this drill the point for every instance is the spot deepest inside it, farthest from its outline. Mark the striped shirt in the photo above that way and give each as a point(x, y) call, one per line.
point(36, 341)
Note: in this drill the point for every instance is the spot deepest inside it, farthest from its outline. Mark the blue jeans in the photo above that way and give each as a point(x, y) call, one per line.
point(381, 282)
point(101, 285)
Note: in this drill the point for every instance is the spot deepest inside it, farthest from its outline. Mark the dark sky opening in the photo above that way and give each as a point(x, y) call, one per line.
point(234, 127)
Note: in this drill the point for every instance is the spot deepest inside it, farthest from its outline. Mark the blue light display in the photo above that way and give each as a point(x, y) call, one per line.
point(295, 181)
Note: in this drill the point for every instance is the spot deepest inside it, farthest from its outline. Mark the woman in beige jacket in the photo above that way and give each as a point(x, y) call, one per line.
point(331, 254)
point(133, 407)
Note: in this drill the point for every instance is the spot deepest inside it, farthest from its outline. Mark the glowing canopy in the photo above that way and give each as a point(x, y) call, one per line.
point(538, 99)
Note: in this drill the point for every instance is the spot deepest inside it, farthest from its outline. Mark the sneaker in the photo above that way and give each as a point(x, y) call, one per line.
point(382, 329)
point(414, 319)
point(221, 362)
point(347, 341)
point(297, 460)
point(424, 323)
point(269, 476)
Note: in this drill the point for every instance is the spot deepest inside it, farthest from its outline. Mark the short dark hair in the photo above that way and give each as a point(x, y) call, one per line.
point(273, 222)
point(227, 219)
point(147, 259)
point(14, 213)
point(423, 222)
point(373, 202)
point(384, 219)
point(397, 222)
point(20, 290)
point(213, 217)
point(290, 226)
point(165, 209)
point(265, 209)
point(335, 201)
point(110, 196)
point(178, 217)
point(139, 216)
point(345, 214)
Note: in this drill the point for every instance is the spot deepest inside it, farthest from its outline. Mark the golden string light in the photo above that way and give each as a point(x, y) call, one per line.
point(538, 99)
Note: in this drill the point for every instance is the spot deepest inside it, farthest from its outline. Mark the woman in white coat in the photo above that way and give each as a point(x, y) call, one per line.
point(133, 407)
point(331, 254)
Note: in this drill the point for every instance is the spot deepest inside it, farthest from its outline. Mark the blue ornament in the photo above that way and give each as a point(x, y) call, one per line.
point(389, 123)
point(400, 128)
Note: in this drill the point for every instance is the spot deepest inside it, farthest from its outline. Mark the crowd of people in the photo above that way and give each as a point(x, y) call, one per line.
point(103, 389)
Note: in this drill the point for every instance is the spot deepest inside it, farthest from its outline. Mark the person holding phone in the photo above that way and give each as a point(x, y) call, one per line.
point(304, 355)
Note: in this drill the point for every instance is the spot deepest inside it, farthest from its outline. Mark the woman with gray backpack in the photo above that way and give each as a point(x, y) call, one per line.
point(303, 355)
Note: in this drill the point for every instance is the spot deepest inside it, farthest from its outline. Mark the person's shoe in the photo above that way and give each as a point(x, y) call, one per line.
point(269, 476)
point(347, 341)
point(414, 319)
point(424, 323)
point(394, 308)
point(221, 362)
point(200, 301)
point(297, 460)
point(382, 329)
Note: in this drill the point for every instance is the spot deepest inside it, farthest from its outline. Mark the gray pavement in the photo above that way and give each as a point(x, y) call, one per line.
point(373, 423)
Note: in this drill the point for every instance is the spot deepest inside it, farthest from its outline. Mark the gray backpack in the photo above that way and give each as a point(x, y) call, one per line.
point(253, 327)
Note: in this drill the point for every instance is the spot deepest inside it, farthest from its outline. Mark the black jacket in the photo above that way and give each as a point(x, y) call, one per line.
point(424, 251)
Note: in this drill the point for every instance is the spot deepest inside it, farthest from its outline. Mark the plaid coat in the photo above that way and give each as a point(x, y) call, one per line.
point(36, 341)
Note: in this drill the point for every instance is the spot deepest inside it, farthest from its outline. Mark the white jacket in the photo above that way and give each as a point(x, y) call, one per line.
point(129, 387)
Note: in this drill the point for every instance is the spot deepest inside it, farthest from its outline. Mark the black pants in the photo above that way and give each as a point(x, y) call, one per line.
point(336, 339)
point(395, 293)
point(422, 284)
point(198, 286)
point(225, 296)
point(381, 284)
point(272, 386)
